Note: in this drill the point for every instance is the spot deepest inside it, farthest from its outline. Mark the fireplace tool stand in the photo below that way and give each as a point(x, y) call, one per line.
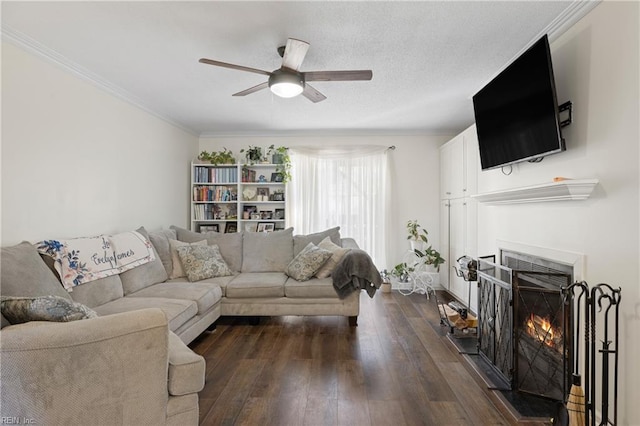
point(601, 304)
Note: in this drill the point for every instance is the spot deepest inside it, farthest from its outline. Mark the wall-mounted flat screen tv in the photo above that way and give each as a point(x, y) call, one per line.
point(516, 114)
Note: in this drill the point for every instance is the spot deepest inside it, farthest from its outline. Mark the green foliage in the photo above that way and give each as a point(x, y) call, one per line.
point(253, 154)
point(428, 256)
point(283, 162)
point(218, 157)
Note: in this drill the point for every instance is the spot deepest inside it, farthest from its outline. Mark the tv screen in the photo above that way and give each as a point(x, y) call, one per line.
point(517, 112)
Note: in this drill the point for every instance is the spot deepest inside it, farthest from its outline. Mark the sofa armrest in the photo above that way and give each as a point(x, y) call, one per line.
point(349, 243)
point(106, 370)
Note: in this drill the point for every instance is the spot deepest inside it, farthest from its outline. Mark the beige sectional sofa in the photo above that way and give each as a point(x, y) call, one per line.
point(130, 365)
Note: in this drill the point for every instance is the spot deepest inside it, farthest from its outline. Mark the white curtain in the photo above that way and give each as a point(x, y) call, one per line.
point(346, 187)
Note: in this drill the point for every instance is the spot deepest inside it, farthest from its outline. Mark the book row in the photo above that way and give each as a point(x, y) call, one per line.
point(215, 175)
point(214, 193)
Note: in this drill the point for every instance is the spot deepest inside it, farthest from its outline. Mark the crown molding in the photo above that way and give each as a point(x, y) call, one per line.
point(32, 46)
point(577, 10)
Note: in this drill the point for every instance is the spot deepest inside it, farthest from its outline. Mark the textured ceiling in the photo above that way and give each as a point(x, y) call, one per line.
point(428, 58)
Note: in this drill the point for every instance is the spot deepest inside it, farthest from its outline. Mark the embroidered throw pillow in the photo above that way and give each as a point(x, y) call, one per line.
point(178, 271)
point(202, 261)
point(45, 308)
point(337, 253)
point(307, 262)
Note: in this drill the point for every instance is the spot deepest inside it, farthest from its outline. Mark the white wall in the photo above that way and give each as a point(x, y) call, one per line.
point(77, 161)
point(596, 67)
point(415, 177)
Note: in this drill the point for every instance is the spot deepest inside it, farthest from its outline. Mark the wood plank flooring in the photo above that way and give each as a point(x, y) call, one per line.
point(395, 368)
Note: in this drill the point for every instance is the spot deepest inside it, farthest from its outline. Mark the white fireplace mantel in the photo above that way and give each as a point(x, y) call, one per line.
point(569, 189)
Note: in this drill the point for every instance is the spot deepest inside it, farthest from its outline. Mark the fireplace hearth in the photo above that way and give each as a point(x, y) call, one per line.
point(524, 326)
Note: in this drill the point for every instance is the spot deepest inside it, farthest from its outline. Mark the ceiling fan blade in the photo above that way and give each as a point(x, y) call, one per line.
point(253, 89)
point(232, 66)
point(294, 53)
point(312, 94)
point(352, 75)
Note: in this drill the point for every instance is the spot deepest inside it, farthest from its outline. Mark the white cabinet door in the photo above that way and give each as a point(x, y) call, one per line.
point(445, 268)
point(457, 243)
point(452, 168)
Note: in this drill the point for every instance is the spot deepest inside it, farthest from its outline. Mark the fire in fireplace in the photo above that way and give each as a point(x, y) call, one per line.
point(542, 330)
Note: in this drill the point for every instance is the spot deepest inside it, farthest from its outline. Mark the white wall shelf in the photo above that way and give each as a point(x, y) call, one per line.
point(565, 190)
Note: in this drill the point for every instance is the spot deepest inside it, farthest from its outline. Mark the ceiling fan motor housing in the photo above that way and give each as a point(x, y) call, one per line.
point(286, 84)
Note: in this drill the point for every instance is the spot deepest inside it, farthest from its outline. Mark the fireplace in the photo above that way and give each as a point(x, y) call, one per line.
point(524, 326)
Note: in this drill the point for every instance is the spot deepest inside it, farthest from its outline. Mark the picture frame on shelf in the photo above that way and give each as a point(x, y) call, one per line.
point(266, 227)
point(277, 177)
point(279, 214)
point(231, 227)
point(262, 193)
point(266, 214)
point(209, 228)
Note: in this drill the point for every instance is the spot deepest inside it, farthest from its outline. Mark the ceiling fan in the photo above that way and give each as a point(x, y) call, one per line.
point(288, 81)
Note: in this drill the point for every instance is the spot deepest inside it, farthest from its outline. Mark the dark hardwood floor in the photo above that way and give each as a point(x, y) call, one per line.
point(397, 367)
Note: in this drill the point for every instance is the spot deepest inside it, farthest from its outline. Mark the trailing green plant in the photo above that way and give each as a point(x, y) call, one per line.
point(402, 270)
point(218, 157)
point(253, 154)
point(428, 256)
point(280, 157)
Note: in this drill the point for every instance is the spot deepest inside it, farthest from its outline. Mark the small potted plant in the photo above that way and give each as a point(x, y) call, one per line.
point(253, 154)
point(280, 157)
point(217, 157)
point(418, 238)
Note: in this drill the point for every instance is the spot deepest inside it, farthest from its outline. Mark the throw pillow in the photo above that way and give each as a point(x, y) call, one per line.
point(230, 244)
point(337, 253)
point(267, 251)
point(45, 308)
point(301, 241)
point(201, 262)
point(307, 262)
point(178, 271)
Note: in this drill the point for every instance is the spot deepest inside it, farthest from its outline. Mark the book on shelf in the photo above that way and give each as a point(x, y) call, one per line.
point(214, 193)
point(202, 174)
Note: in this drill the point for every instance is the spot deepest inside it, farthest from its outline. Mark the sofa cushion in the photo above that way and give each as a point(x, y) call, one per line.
point(160, 240)
point(301, 241)
point(307, 262)
point(258, 284)
point(178, 270)
point(313, 288)
point(202, 262)
point(177, 311)
point(218, 281)
point(267, 251)
point(230, 244)
point(186, 368)
point(144, 275)
point(23, 273)
point(98, 292)
point(18, 310)
point(337, 253)
point(204, 294)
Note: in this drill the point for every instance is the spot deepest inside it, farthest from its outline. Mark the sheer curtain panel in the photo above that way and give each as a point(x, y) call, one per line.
point(346, 187)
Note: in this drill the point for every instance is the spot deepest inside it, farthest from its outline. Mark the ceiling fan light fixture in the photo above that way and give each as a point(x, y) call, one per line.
point(285, 84)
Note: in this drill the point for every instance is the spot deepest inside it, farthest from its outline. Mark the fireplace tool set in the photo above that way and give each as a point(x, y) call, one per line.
point(600, 304)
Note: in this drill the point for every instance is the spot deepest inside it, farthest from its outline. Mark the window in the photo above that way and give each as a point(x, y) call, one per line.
point(344, 187)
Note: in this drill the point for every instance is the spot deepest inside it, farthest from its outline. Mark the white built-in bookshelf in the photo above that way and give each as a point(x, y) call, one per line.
point(234, 197)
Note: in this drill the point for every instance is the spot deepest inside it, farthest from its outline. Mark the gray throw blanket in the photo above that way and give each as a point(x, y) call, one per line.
point(356, 271)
